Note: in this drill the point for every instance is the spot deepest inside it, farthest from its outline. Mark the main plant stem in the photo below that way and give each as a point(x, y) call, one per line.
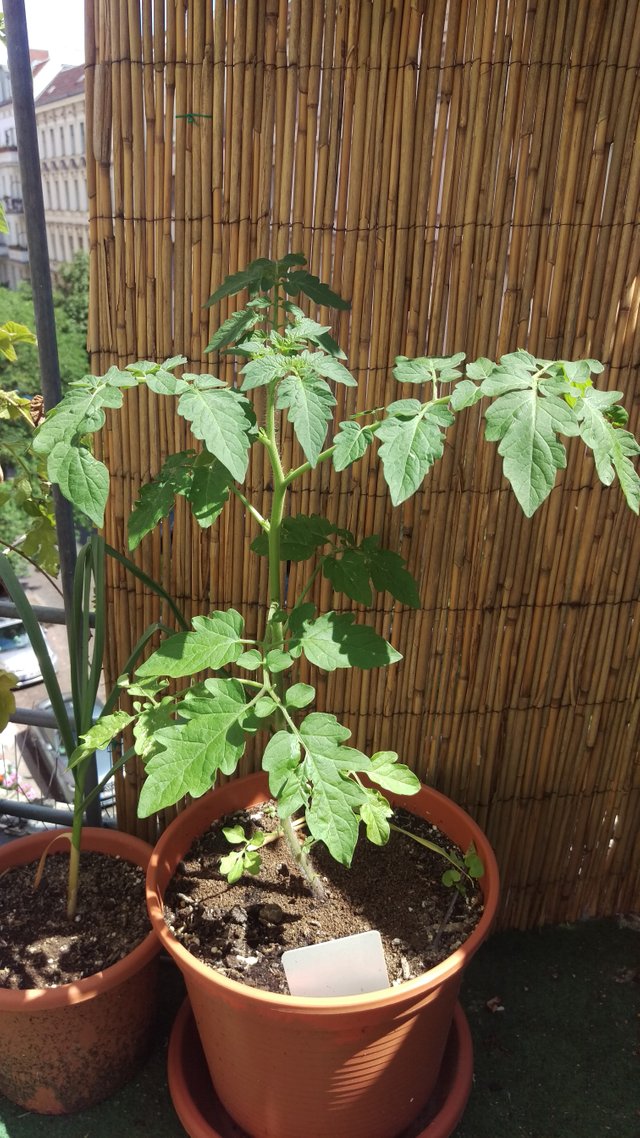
point(274, 632)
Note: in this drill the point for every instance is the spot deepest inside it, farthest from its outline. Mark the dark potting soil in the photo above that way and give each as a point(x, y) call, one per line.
point(41, 948)
point(242, 929)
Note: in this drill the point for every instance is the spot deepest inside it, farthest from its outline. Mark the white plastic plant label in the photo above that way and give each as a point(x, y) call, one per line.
point(345, 967)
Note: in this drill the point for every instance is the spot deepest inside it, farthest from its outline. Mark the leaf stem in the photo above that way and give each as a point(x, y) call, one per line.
point(262, 522)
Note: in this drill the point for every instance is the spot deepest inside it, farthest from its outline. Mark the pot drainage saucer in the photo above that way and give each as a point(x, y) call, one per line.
point(203, 1116)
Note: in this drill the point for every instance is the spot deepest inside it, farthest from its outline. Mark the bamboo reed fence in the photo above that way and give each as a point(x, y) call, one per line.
point(469, 175)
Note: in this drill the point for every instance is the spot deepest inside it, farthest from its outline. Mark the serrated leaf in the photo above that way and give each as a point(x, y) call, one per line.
point(281, 757)
point(81, 411)
point(348, 573)
point(100, 736)
point(231, 329)
point(268, 366)
point(409, 449)
point(215, 641)
point(351, 570)
point(309, 404)
point(334, 641)
point(246, 278)
point(465, 394)
point(301, 536)
point(375, 813)
point(209, 489)
point(612, 446)
point(157, 497)
point(193, 752)
point(332, 814)
point(83, 479)
point(480, 369)
point(219, 416)
point(527, 424)
point(321, 732)
point(311, 286)
point(350, 444)
point(391, 775)
point(328, 367)
point(148, 724)
point(426, 369)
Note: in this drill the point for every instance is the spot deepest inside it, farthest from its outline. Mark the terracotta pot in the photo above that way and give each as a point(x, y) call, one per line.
point(203, 1116)
point(350, 1067)
point(66, 1048)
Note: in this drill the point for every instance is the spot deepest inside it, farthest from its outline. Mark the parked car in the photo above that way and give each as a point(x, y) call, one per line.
point(47, 760)
point(16, 653)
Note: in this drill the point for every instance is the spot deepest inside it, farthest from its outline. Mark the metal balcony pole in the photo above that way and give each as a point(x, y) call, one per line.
point(29, 159)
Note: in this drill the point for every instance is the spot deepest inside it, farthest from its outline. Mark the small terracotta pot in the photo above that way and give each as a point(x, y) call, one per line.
point(350, 1067)
point(66, 1048)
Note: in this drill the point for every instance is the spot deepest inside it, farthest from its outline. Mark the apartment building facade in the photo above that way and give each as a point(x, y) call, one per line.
point(60, 121)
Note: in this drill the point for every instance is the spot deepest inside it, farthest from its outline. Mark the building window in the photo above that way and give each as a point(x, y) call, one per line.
point(76, 194)
point(81, 125)
point(62, 146)
point(52, 140)
point(72, 139)
point(67, 195)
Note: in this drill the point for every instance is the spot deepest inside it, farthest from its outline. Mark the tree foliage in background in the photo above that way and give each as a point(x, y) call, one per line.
point(26, 513)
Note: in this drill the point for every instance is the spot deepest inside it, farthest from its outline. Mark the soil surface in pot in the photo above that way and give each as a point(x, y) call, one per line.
point(41, 948)
point(243, 929)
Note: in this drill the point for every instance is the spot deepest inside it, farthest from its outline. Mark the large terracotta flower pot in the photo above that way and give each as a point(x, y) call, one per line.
point(65, 1048)
point(350, 1067)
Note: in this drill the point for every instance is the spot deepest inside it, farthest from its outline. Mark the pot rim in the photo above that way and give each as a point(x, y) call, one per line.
point(97, 840)
point(399, 994)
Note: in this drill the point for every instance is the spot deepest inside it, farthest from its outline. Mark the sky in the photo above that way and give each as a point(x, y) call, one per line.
point(57, 26)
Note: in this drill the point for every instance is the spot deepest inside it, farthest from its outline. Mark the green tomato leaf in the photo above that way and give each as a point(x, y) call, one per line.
point(220, 417)
point(278, 661)
point(250, 661)
point(328, 367)
point(299, 695)
point(473, 863)
point(194, 751)
point(234, 834)
point(309, 404)
point(332, 814)
point(232, 329)
point(465, 394)
point(282, 756)
point(613, 447)
point(375, 813)
point(301, 536)
point(334, 641)
point(350, 444)
point(391, 775)
point(410, 447)
point(152, 718)
point(157, 498)
point(311, 286)
point(83, 479)
point(527, 421)
point(209, 489)
point(215, 641)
